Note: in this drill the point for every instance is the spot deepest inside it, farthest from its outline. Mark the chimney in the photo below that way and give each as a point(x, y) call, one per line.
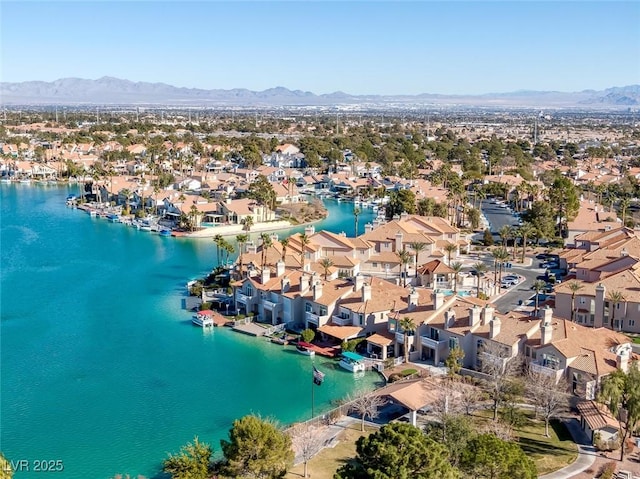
point(449, 318)
point(412, 299)
point(474, 315)
point(368, 228)
point(317, 290)
point(398, 241)
point(546, 330)
point(622, 359)
point(358, 282)
point(487, 314)
point(598, 314)
point(309, 230)
point(304, 283)
point(366, 292)
point(284, 285)
point(438, 299)
point(280, 267)
point(494, 327)
point(266, 274)
point(404, 215)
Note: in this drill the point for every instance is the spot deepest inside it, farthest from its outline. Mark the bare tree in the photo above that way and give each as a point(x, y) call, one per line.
point(470, 397)
point(365, 404)
point(501, 370)
point(550, 398)
point(307, 442)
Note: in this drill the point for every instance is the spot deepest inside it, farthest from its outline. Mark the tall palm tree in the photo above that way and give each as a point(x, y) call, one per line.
point(479, 268)
point(408, 326)
point(218, 239)
point(623, 205)
point(527, 230)
point(304, 241)
point(242, 239)
point(500, 257)
point(267, 242)
point(326, 263)
point(505, 234)
point(356, 212)
point(227, 249)
point(515, 234)
point(417, 247)
point(194, 213)
point(405, 257)
point(285, 244)
point(457, 268)
point(247, 223)
point(574, 287)
point(450, 249)
point(615, 298)
point(538, 285)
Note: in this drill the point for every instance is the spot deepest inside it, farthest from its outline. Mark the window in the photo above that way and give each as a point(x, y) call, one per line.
point(361, 319)
point(249, 291)
point(453, 343)
point(323, 311)
point(434, 334)
point(375, 265)
point(550, 361)
point(632, 322)
point(308, 308)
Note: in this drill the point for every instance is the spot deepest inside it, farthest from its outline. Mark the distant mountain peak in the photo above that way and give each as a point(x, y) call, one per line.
point(112, 90)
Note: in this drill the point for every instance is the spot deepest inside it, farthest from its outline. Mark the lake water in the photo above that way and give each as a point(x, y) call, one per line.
point(102, 370)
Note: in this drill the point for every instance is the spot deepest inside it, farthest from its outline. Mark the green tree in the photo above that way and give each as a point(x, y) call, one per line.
point(192, 462)
point(405, 258)
point(563, 197)
point(487, 238)
point(454, 361)
point(267, 242)
point(218, 239)
point(457, 269)
point(453, 431)
point(527, 230)
point(450, 248)
point(307, 335)
point(474, 218)
point(417, 247)
point(574, 287)
point(304, 241)
point(407, 325)
point(256, 449)
point(398, 451)
point(326, 263)
point(538, 285)
point(241, 239)
point(401, 201)
point(356, 213)
point(262, 191)
point(620, 392)
point(487, 456)
point(480, 268)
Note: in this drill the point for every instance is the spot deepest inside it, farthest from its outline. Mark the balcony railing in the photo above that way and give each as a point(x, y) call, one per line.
point(315, 318)
point(400, 337)
point(539, 368)
point(341, 321)
point(242, 298)
point(431, 343)
point(269, 304)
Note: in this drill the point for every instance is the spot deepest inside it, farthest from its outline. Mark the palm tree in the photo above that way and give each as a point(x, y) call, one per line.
point(227, 249)
point(285, 244)
point(405, 257)
point(505, 234)
point(515, 234)
point(408, 326)
point(304, 241)
point(615, 298)
point(479, 268)
point(574, 286)
point(456, 267)
point(267, 242)
point(247, 224)
point(417, 247)
point(450, 248)
point(127, 196)
point(500, 257)
point(326, 263)
point(527, 230)
point(538, 285)
point(623, 205)
point(356, 213)
point(194, 213)
point(218, 239)
point(242, 240)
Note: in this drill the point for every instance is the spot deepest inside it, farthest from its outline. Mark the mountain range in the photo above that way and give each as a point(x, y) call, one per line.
point(109, 90)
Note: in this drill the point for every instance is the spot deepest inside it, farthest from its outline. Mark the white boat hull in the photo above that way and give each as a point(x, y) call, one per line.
point(352, 366)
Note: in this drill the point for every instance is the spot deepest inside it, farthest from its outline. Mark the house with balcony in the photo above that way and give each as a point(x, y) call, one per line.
point(582, 355)
point(436, 274)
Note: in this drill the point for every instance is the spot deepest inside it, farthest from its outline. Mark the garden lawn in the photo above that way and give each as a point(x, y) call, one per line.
point(326, 463)
point(549, 453)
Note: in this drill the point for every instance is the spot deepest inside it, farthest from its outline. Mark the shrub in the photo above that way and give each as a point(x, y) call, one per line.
point(607, 470)
point(308, 335)
point(204, 306)
point(394, 377)
point(408, 372)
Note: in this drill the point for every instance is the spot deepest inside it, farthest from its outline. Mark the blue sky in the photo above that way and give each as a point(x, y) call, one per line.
point(364, 47)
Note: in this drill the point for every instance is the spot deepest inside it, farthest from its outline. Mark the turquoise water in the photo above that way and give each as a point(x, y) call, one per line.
point(101, 369)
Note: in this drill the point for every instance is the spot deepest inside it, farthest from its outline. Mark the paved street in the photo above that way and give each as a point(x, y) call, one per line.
point(521, 292)
point(497, 216)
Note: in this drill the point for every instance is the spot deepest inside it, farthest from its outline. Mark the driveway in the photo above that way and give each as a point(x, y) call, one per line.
point(586, 453)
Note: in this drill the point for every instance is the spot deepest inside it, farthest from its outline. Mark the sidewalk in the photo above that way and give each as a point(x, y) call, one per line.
point(586, 453)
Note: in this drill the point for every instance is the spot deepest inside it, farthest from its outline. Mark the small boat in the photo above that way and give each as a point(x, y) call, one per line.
point(305, 348)
point(165, 232)
point(203, 318)
point(6, 180)
point(352, 362)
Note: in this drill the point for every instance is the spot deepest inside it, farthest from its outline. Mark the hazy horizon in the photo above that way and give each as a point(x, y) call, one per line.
point(361, 48)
